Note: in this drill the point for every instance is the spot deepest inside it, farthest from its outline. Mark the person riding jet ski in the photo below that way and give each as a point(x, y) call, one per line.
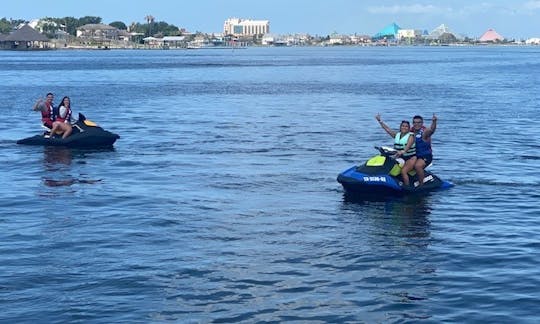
point(405, 144)
point(392, 171)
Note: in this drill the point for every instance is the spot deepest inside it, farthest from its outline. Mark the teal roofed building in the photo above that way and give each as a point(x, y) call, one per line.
point(388, 32)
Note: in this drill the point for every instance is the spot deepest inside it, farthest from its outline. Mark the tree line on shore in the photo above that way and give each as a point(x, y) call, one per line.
point(49, 25)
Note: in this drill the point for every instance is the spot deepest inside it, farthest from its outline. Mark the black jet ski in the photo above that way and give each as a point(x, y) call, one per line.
point(381, 176)
point(85, 134)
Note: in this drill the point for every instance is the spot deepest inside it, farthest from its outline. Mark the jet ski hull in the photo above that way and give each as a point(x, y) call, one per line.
point(381, 185)
point(85, 135)
point(77, 140)
point(362, 183)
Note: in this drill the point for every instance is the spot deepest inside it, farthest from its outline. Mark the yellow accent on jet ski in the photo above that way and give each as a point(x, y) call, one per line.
point(395, 170)
point(89, 123)
point(376, 161)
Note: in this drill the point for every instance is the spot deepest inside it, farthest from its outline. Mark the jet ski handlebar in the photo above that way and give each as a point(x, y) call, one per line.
point(386, 151)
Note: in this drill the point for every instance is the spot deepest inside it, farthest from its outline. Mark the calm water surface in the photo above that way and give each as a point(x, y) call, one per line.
point(220, 203)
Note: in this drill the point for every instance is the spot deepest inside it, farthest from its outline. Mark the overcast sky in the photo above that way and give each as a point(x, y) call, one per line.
point(510, 18)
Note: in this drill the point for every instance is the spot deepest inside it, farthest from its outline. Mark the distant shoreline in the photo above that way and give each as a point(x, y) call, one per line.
point(94, 48)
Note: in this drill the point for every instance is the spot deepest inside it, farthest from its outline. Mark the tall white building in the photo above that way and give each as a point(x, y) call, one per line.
point(240, 27)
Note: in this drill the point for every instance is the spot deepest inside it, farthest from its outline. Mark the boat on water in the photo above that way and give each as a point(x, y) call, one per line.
point(86, 134)
point(380, 176)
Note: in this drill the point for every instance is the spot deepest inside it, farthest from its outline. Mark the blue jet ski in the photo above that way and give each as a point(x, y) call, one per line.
point(86, 134)
point(381, 176)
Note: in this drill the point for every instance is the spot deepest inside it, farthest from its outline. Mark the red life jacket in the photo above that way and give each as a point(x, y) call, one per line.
point(67, 116)
point(47, 115)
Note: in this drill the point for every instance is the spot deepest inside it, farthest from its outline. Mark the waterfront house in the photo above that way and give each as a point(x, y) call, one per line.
point(98, 32)
point(174, 41)
point(153, 42)
point(24, 38)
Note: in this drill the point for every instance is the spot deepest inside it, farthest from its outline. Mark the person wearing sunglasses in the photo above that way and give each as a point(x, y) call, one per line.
point(424, 153)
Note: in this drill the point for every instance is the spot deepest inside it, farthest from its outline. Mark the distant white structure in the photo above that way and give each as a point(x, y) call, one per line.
point(244, 27)
point(269, 39)
point(533, 41)
point(409, 33)
point(33, 23)
point(439, 31)
point(40, 24)
point(338, 39)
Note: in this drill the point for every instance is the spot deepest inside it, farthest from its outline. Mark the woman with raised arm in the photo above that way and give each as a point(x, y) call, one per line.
point(405, 144)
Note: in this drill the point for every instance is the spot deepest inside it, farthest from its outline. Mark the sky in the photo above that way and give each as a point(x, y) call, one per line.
point(513, 19)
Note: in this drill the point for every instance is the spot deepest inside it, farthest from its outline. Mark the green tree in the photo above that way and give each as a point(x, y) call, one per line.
point(149, 24)
point(71, 24)
point(137, 28)
point(89, 20)
point(119, 25)
point(5, 26)
point(153, 28)
point(166, 29)
point(49, 27)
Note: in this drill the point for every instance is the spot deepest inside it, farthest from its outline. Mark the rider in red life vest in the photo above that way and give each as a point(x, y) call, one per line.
point(61, 123)
point(47, 110)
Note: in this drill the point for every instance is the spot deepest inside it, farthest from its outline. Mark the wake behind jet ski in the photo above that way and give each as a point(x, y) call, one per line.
point(380, 177)
point(85, 134)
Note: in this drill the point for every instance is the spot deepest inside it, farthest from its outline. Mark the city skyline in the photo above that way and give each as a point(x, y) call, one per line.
point(512, 19)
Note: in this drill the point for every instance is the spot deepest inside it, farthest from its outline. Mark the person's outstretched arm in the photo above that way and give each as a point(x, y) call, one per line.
point(432, 128)
point(38, 105)
point(385, 127)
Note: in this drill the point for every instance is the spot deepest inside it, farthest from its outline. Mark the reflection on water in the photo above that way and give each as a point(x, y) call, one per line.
point(58, 166)
point(54, 156)
point(408, 216)
point(67, 182)
point(397, 233)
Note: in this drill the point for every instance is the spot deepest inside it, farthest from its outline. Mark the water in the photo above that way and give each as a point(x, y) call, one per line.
point(220, 203)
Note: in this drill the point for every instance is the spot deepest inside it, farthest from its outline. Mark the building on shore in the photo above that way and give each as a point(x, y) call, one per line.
point(388, 32)
point(443, 35)
point(245, 27)
point(491, 36)
point(98, 32)
point(409, 36)
point(101, 35)
point(438, 32)
point(24, 38)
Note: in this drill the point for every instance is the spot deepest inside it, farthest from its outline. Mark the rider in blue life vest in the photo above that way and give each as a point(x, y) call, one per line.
point(424, 154)
point(404, 142)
